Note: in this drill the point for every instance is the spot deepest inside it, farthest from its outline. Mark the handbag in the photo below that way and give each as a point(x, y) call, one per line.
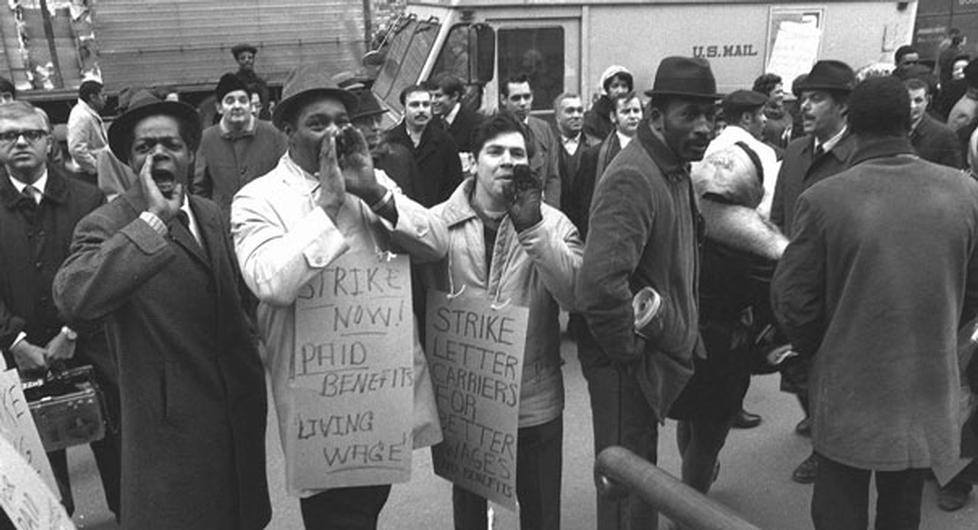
point(68, 407)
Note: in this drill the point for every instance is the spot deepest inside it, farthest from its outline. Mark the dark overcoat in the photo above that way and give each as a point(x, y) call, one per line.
point(439, 168)
point(192, 386)
point(800, 169)
point(937, 143)
point(882, 266)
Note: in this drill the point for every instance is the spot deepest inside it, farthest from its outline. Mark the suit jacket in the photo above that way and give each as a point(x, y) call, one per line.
point(462, 127)
point(937, 143)
point(34, 240)
point(570, 165)
point(439, 168)
point(883, 266)
point(544, 161)
point(192, 387)
point(594, 160)
point(800, 170)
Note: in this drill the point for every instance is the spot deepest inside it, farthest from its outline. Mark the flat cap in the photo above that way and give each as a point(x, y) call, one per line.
point(744, 99)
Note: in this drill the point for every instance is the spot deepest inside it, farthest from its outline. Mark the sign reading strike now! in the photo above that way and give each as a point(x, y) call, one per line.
point(352, 375)
point(475, 355)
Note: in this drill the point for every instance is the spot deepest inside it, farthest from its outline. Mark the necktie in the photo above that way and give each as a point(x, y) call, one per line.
point(31, 193)
point(185, 223)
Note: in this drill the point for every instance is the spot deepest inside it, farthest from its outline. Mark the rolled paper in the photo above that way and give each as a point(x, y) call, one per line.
point(646, 305)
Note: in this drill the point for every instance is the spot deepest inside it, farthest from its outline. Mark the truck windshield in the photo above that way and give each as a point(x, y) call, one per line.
point(406, 56)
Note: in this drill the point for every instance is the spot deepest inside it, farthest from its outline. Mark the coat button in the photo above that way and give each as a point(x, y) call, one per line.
point(38, 264)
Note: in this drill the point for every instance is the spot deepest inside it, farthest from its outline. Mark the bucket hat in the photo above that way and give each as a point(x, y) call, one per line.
point(304, 81)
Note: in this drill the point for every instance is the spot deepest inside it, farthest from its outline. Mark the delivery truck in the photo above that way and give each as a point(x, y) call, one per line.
point(50, 46)
point(565, 45)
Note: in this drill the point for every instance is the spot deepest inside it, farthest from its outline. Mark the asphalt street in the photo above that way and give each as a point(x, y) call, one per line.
point(754, 478)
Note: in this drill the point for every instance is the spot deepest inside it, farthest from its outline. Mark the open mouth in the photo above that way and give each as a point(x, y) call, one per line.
point(165, 181)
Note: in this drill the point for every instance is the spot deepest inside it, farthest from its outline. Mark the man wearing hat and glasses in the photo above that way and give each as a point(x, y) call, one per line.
point(239, 149)
point(633, 381)
point(823, 151)
point(323, 201)
point(244, 54)
point(157, 265)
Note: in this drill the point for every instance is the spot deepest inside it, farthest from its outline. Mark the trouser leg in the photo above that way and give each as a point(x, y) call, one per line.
point(59, 467)
point(355, 508)
point(705, 438)
point(840, 500)
point(538, 475)
point(622, 417)
point(899, 497)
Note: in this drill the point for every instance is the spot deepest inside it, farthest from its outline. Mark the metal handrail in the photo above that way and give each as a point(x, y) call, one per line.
point(619, 471)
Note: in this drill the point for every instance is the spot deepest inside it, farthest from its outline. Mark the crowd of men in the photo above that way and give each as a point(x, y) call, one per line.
point(836, 226)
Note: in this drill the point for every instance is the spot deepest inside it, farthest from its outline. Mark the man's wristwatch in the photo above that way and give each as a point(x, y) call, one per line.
point(69, 333)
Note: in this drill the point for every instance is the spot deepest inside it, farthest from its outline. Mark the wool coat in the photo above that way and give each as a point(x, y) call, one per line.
point(800, 169)
point(937, 143)
point(575, 180)
point(544, 162)
point(226, 161)
point(192, 387)
point(883, 263)
point(439, 167)
point(462, 127)
point(645, 228)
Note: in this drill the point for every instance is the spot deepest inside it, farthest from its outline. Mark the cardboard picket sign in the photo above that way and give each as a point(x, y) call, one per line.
point(28, 502)
point(475, 355)
point(18, 428)
point(352, 375)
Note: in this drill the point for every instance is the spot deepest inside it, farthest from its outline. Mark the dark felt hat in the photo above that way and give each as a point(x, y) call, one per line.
point(829, 75)
point(367, 104)
point(684, 76)
point(744, 99)
point(305, 81)
point(142, 105)
point(229, 83)
point(243, 47)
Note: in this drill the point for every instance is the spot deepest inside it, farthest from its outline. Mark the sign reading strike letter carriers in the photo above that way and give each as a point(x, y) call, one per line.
point(475, 354)
point(352, 374)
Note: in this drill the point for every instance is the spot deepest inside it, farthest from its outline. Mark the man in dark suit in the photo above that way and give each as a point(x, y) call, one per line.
point(158, 265)
point(823, 151)
point(931, 139)
point(446, 104)
point(39, 207)
point(516, 97)
point(439, 167)
point(569, 117)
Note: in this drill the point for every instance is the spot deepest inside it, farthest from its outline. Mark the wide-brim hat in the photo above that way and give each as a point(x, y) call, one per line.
point(686, 77)
point(243, 47)
point(142, 105)
point(304, 82)
point(835, 76)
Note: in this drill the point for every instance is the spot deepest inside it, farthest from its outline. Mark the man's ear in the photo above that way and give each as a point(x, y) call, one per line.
point(655, 118)
point(217, 107)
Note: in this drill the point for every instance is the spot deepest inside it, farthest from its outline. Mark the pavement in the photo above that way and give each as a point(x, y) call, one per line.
point(754, 478)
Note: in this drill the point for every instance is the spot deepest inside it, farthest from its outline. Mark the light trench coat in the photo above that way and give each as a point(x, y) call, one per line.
point(283, 240)
point(535, 268)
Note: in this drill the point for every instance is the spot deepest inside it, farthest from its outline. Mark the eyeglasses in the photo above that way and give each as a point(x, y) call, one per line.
point(31, 135)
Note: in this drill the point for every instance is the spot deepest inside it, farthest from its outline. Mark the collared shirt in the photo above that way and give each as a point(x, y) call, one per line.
point(86, 136)
point(450, 117)
point(571, 143)
point(38, 185)
point(831, 142)
point(622, 139)
point(157, 224)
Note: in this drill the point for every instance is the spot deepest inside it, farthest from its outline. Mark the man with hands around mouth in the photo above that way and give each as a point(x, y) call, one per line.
point(323, 201)
point(158, 266)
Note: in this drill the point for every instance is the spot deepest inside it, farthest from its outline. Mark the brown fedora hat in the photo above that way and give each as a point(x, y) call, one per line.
point(828, 75)
point(684, 76)
point(305, 81)
point(144, 104)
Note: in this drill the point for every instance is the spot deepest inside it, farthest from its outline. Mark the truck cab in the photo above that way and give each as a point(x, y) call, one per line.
point(564, 45)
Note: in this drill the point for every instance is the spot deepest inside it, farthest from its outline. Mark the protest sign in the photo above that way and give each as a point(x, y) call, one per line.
point(29, 503)
point(352, 375)
point(18, 428)
point(475, 355)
